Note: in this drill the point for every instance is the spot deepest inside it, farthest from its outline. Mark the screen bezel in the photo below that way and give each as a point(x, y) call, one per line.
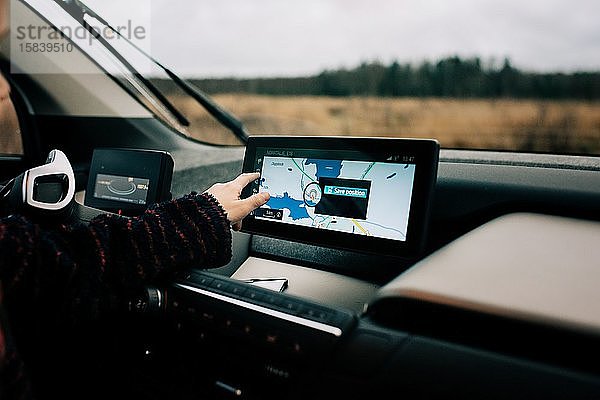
point(426, 153)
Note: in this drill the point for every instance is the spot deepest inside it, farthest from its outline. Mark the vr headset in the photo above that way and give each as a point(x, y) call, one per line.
point(46, 191)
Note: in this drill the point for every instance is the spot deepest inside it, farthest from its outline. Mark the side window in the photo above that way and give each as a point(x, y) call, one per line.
point(10, 131)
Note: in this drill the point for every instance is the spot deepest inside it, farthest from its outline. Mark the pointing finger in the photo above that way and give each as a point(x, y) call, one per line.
point(244, 179)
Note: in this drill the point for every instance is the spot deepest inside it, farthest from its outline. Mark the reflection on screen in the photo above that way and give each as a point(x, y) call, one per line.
point(359, 197)
point(121, 188)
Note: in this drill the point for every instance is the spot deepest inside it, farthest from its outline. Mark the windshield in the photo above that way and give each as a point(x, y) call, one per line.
point(502, 75)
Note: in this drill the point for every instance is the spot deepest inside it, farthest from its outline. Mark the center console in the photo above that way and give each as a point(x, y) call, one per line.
point(367, 198)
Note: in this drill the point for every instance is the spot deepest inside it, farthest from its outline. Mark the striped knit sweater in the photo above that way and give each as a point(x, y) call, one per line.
point(69, 273)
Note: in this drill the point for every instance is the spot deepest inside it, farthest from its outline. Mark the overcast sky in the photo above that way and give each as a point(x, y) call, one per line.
point(248, 38)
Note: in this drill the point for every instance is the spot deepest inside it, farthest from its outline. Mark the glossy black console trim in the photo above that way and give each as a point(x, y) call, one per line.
point(333, 330)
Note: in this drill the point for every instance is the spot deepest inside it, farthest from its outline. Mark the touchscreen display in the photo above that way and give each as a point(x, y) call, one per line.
point(121, 188)
point(361, 194)
point(337, 191)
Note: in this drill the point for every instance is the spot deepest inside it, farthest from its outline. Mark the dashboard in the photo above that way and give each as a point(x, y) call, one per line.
point(479, 315)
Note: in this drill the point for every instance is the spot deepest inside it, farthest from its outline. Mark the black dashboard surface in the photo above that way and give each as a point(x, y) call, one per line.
point(377, 356)
point(472, 188)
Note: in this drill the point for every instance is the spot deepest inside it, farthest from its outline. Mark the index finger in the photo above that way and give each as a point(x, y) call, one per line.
point(242, 180)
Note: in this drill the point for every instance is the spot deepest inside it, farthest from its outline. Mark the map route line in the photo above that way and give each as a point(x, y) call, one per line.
point(301, 170)
point(386, 227)
point(367, 171)
point(323, 221)
point(359, 227)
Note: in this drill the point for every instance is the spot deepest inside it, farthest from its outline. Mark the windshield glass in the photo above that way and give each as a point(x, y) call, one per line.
point(483, 74)
point(64, 28)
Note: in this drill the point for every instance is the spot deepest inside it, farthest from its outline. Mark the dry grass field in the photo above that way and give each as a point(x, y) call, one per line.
point(524, 125)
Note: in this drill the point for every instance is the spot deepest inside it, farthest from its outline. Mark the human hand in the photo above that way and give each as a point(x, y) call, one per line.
point(228, 195)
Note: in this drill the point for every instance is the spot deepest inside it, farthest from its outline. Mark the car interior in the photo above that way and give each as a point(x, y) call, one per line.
point(492, 293)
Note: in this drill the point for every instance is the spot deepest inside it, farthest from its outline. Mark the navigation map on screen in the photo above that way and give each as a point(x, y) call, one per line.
point(359, 197)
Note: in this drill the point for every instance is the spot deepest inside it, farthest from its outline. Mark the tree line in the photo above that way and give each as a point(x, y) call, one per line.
point(448, 77)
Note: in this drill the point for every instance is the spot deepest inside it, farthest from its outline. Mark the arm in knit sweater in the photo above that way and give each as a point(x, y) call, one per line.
point(74, 272)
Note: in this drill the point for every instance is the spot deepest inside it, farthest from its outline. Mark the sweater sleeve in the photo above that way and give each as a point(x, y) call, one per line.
point(70, 273)
point(191, 231)
point(81, 269)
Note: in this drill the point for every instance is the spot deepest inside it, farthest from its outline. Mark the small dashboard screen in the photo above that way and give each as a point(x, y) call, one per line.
point(360, 194)
point(370, 198)
point(121, 188)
